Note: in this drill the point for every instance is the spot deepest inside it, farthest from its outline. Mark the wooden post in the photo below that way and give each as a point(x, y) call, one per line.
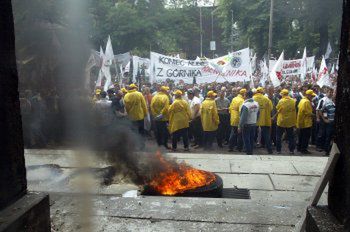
point(13, 183)
point(339, 186)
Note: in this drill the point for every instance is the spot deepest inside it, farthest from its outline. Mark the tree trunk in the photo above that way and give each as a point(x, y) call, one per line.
point(13, 183)
point(339, 187)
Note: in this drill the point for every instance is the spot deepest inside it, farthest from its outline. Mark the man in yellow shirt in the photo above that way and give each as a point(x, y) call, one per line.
point(286, 120)
point(304, 121)
point(235, 106)
point(179, 120)
point(159, 107)
point(264, 121)
point(210, 119)
point(135, 105)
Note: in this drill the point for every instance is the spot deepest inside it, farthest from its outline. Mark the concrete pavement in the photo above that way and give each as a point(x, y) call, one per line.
point(280, 188)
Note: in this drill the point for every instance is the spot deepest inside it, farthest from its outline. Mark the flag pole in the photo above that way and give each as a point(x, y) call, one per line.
point(270, 34)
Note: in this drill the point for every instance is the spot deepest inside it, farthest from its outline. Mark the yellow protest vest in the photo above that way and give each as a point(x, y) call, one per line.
point(209, 115)
point(234, 108)
point(179, 115)
point(286, 112)
point(304, 119)
point(135, 105)
point(265, 107)
point(160, 105)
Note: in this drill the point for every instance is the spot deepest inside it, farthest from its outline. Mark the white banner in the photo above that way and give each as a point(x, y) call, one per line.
point(122, 59)
point(232, 68)
point(141, 66)
point(167, 67)
point(310, 64)
point(294, 67)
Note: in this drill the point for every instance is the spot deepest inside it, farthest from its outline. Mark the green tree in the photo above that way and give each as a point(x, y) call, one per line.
point(297, 23)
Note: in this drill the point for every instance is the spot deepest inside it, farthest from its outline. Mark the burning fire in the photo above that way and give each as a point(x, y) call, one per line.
point(175, 179)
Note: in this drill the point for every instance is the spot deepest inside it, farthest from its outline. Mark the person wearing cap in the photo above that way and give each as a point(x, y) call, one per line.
point(304, 121)
point(286, 121)
point(249, 115)
point(210, 119)
point(124, 91)
point(222, 104)
point(159, 107)
point(264, 122)
point(97, 95)
point(196, 129)
point(235, 106)
point(197, 93)
point(135, 105)
point(118, 105)
point(179, 118)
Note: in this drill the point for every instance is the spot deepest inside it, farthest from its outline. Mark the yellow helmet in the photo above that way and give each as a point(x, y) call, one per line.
point(284, 92)
point(133, 86)
point(242, 91)
point(260, 90)
point(211, 94)
point(310, 92)
point(178, 93)
point(164, 88)
point(124, 90)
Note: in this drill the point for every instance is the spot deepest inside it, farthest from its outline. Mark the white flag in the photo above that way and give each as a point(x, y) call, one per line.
point(127, 68)
point(329, 51)
point(303, 66)
point(253, 63)
point(106, 64)
point(337, 66)
point(264, 71)
point(276, 72)
point(100, 74)
point(333, 69)
point(109, 50)
point(323, 75)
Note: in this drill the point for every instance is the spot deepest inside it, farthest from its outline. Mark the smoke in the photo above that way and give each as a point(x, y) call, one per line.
point(52, 51)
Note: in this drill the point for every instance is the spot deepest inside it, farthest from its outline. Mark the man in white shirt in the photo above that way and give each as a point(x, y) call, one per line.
point(195, 125)
point(197, 93)
point(104, 111)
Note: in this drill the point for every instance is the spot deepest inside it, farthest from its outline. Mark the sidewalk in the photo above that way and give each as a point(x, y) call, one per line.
point(280, 187)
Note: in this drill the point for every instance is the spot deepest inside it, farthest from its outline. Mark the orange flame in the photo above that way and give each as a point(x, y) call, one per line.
point(179, 178)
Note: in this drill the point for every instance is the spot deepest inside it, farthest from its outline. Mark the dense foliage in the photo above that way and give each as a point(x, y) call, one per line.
point(50, 33)
point(297, 23)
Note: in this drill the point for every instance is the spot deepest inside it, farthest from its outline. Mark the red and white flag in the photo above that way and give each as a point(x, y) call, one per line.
point(323, 75)
point(276, 72)
point(314, 75)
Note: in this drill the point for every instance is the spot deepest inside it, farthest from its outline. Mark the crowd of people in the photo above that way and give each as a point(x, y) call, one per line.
point(227, 114)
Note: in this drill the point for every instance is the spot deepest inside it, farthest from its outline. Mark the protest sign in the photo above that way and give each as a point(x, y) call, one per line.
point(141, 67)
